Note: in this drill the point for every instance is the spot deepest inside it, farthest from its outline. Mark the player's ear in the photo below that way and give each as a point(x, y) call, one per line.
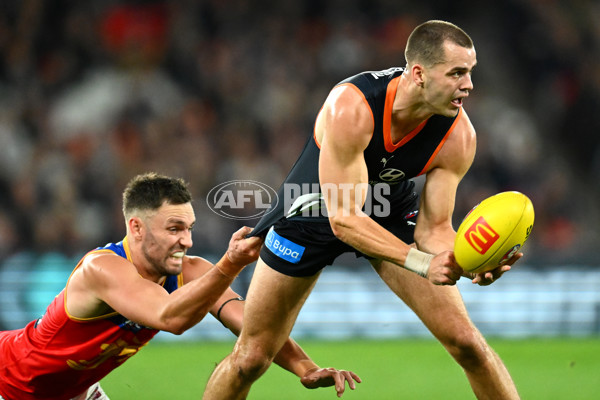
point(136, 227)
point(417, 73)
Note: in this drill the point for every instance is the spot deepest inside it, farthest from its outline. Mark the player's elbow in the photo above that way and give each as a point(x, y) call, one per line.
point(340, 226)
point(419, 237)
point(176, 327)
point(440, 234)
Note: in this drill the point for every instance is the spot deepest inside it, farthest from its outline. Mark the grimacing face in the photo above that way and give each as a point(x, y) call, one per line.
point(447, 84)
point(167, 237)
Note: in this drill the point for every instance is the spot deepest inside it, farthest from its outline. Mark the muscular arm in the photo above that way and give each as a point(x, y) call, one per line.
point(434, 232)
point(345, 126)
point(106, 282)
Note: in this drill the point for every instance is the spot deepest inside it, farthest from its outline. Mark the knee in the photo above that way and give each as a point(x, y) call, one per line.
point(251, 362)
point(469, 349)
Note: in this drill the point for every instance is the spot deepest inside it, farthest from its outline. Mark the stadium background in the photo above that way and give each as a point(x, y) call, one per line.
point(94, 92)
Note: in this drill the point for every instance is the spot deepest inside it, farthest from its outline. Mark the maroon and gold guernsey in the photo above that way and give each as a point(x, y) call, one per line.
point(59, 356)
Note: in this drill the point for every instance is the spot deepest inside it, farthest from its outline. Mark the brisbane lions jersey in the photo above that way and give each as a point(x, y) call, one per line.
point(59, 356)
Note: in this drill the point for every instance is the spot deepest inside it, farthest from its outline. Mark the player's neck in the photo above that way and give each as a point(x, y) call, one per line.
point(408, 110)
point(144, 267)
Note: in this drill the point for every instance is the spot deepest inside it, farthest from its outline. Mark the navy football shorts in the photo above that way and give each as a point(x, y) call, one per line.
point(302, 246)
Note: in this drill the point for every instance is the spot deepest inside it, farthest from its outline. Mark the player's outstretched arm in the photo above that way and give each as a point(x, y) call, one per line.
point(294, 359)
point(291, 357)
point(105, 279)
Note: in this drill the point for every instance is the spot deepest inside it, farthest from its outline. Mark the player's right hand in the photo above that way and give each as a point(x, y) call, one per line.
point(243, 251)
point(444, 270)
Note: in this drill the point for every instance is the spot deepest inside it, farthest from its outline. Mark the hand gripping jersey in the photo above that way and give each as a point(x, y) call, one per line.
point(59, 357)
point(388, 163)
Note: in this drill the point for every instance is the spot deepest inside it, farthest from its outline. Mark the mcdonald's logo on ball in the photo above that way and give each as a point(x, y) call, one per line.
point(481, 236)
point(492, 230)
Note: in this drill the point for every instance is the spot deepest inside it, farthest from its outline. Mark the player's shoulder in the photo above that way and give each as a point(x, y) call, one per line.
point(104, 265)
point(345, 98)
point(464, 129)
point(100, 258)
point(370, 79)
point(458, 151)
point(368, 85)
point(346, 118)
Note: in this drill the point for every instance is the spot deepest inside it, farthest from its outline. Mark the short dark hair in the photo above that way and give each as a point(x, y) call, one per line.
point(150, 190)
point(425, 44)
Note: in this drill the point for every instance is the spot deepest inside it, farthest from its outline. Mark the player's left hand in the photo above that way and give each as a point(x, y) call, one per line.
point(489, 277)
point(323, 377)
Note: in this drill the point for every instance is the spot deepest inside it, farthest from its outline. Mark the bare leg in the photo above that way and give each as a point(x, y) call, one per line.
point(272, 306)
point(443, 312)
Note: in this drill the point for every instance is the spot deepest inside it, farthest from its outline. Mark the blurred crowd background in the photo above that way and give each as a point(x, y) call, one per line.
point(94, 92)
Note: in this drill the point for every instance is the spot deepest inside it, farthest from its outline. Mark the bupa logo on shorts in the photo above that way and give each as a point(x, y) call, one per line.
point(241, 199)
point(283, 248)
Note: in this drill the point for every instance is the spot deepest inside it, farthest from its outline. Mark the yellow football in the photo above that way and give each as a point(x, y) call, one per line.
point(493, 231)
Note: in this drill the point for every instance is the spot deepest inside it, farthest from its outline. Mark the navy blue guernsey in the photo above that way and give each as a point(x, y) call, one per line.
point(387, 162)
